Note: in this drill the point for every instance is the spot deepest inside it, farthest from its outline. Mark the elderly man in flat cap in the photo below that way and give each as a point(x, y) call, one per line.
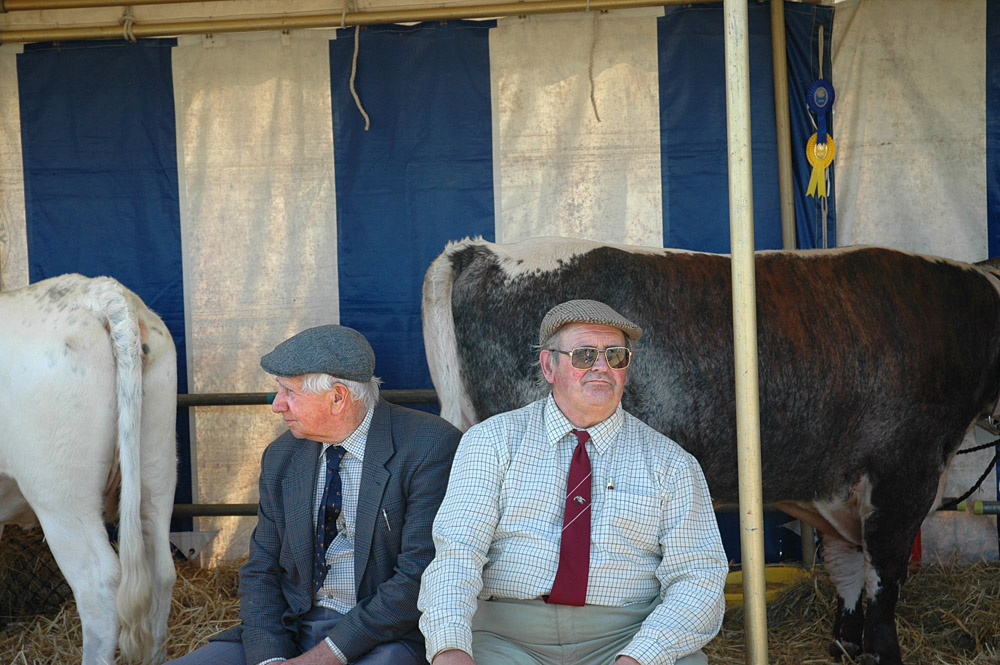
point(347, 497)
point(572, 533)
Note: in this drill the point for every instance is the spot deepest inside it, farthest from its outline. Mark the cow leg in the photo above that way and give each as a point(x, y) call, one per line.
point(157, 544)
point(889, 534)
point(156, 537)
point(79, 544)
point(846, 564)
point(159, 479)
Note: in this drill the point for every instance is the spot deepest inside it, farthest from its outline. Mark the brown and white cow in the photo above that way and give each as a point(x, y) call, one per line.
point(868, 379)
point(88, 382)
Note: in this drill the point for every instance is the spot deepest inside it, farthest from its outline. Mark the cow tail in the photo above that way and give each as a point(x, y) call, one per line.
point(134, 596)
point(440, 342)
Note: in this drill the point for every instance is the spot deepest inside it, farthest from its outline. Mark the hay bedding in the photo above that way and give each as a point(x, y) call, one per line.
point(948, 615)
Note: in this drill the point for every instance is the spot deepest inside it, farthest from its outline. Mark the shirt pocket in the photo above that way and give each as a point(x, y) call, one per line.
point(629, 523)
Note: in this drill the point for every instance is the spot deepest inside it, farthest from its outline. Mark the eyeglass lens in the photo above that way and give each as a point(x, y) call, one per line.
point(618, 357)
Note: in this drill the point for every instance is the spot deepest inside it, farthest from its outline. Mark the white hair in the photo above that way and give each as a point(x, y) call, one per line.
point(365, 392)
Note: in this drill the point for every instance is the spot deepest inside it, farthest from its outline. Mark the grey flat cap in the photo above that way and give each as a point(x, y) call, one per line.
point(585, 311)
point(337, 350)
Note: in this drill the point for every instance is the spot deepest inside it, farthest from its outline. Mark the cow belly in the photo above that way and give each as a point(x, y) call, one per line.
point(841, 517)
point(13, 508)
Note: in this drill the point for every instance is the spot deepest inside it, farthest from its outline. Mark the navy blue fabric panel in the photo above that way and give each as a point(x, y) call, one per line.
point(993, 133)
point(780, 542)
point(100, 176)
point(694, 152)
point(420, 176)
point(802, 23)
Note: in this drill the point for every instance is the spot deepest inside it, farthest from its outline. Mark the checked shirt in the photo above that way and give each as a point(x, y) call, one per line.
point(653, 531)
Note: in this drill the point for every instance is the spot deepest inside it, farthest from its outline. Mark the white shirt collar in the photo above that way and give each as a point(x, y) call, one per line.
point(355, 443)
point(557, 425)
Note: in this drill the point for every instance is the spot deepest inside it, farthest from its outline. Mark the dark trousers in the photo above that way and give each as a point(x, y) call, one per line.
point(315, 627)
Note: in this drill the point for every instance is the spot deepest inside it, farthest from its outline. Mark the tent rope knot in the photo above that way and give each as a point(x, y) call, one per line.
point(127, 21)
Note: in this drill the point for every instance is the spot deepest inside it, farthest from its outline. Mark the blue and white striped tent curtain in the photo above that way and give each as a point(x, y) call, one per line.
point(231, 182)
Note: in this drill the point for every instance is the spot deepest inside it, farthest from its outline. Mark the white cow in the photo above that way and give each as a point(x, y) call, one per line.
point(88, 398)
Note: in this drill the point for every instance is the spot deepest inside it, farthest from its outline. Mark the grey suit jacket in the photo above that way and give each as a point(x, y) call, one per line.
point(408, 456)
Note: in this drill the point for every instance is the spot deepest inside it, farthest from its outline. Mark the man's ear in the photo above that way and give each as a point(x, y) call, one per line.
point(545, 360)
point(339, 397)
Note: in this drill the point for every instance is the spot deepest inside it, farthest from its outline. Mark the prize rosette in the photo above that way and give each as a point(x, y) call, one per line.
point(820, 156)
point(820, 99)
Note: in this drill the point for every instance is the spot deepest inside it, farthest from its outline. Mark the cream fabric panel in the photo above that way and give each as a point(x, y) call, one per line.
point(13, 239)
point(910, 126)
point(258, 218)
point(561, 166)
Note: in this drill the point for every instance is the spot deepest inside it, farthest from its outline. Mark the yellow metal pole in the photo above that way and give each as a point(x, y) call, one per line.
point(332, 20)
point(30, 5)
point(745, 327)
point(780, 59)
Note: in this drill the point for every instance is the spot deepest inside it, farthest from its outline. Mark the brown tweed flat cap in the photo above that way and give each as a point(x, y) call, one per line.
point(585, 311)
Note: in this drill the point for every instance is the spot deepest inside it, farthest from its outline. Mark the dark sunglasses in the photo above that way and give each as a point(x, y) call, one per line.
point(584, 357)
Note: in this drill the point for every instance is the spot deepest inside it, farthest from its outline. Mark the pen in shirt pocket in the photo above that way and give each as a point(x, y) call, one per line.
point(386, 516)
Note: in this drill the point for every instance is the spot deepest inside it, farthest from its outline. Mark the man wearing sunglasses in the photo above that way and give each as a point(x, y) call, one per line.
point(571, 533)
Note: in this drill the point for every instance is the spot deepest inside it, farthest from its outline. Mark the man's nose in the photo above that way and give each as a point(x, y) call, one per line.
point(601, 364)
point(279, 404)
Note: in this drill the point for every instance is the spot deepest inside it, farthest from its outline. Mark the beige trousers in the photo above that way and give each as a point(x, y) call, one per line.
point(531, 632)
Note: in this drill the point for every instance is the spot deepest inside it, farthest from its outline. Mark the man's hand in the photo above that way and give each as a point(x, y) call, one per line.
point(626, 660)
point(453, 657)
point(318, 655)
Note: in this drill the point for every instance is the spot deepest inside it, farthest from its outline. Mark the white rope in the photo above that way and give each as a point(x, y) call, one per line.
point(590, 68)
point(824, 205)
point(354, 72)
point(127, 21)
point(821, 51)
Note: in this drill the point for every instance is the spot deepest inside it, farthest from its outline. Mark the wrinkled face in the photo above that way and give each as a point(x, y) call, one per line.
point(307, 415)
point(585, 396)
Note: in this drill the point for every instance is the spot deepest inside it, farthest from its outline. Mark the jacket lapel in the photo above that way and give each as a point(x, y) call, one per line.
point(374, 476)
point(300, 492)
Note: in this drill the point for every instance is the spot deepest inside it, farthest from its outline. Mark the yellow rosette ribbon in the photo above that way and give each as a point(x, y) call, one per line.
point(820, 156)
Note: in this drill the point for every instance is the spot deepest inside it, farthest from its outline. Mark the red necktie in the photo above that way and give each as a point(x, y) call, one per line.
point(570, 586)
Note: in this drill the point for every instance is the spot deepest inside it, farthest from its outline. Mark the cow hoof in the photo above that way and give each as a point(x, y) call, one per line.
point(841, 650)
point(875, 659)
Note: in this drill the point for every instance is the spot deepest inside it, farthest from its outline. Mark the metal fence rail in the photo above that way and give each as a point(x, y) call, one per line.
point(185, 401)
point(428, 396)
